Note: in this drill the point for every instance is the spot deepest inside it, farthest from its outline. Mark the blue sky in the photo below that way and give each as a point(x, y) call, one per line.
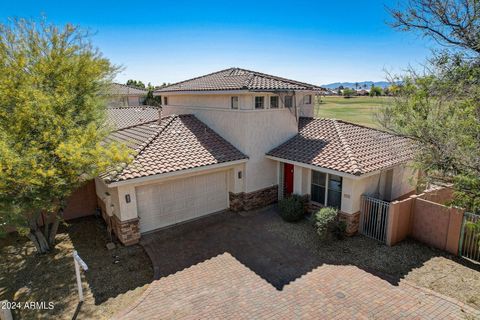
point(313, 41)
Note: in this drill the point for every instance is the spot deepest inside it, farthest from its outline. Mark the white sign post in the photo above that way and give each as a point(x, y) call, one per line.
point(79, 263)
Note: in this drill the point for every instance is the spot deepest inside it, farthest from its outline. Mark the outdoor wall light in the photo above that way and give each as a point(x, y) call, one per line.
point(127, 198)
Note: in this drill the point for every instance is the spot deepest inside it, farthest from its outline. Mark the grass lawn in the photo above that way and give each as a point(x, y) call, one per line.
point(115, 279)
point(359, 110)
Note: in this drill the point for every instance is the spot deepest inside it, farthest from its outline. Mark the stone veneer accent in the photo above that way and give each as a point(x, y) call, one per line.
point(128, 232)
point(352, 220)
point(253, 200)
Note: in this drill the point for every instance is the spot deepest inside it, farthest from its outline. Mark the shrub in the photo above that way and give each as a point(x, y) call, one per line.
point(292, 208)
point(327, 223)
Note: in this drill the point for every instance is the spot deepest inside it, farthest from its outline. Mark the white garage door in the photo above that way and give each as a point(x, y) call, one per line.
point(160, 205)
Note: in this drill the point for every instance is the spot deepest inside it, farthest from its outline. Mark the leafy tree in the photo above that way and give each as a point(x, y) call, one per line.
point(375, 91)
point(52, 123)
point(440, 109)
point(452, 23)
point(152, 100)
point(136, 84)
point(347, 92)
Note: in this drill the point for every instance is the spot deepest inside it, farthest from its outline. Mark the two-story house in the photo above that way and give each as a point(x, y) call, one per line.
point(241, 139)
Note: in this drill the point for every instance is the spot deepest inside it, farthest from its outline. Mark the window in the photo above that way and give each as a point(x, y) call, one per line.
point(274, 102)
point(334, 197)
point(307, 99)
point(259, 102)
point(288, 101)
point(318, 186)
point(234, 102)
point(165, 100)
point(326, 189)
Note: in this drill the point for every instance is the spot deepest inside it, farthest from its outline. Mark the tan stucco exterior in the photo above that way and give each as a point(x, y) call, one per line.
point(116, 203)
point(254, 132)
point(403, 182)
point(126, 101)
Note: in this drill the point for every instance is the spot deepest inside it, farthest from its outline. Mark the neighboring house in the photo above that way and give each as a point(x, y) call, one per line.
point(122, 95)
point(363, 92)
point(241, 139)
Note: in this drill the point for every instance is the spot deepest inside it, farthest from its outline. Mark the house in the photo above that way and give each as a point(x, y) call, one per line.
point(121, 95)
point(242, 139)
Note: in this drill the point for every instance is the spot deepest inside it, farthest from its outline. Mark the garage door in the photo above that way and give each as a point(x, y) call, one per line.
point(161, 205)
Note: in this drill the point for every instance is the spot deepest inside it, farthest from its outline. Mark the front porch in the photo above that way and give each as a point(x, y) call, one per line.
point(329, 188)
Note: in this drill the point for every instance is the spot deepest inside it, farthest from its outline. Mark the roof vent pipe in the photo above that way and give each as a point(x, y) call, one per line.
point(159, 115)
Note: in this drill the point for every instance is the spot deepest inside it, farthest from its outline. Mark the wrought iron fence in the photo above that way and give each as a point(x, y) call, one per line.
point(374, 218)
point(469, 246)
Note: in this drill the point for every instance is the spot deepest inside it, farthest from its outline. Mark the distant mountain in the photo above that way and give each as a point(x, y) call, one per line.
point(363, 84)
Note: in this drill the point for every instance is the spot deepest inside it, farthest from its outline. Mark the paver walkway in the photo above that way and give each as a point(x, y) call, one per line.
point(223, 288)
point(253, 277)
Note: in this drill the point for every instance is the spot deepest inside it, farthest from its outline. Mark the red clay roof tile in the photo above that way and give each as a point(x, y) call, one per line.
point(344, 147)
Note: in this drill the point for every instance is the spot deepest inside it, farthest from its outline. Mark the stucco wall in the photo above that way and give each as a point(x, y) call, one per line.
point(134, 100)
point(254, 132)
point(432, 223)
point(82, 202)
point(353, 189)
point(404, 181)
point(127, 211)
point(246, 101)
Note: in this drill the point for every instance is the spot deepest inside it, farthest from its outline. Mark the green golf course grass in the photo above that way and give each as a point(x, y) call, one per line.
point(359, 110)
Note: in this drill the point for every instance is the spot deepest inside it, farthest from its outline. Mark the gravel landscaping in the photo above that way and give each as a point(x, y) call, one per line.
point(409, 261)
point(277, 251)
point(115, 278)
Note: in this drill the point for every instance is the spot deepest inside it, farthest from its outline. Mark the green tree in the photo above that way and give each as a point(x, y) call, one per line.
point(136, 84)
point(440, 109)
point(375, 91)
point(52, 123)
point(348, 93)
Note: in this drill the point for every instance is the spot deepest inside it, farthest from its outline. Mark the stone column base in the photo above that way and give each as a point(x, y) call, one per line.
point(127, 232)
point(253, 200)
point(352, 220)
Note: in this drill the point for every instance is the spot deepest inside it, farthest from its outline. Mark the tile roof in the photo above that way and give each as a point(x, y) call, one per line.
point(180, 142)
point(344, 147)
point(123, 117)
point(238, 79)
point(124, 90)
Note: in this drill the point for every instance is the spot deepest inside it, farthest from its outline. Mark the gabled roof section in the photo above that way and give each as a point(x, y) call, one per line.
point(178, 143)
point(124, 117)
point(124, 90)
point(344, 147)
point(239, 79)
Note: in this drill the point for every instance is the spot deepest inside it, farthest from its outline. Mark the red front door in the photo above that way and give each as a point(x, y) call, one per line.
point(288, 178)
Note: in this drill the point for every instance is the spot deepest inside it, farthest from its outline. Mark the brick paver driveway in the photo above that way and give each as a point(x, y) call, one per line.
point(232, 266)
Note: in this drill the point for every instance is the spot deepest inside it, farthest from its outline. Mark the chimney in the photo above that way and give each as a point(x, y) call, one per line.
point(159, 109)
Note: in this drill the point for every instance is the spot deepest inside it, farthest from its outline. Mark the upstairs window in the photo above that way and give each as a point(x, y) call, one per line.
point(234, 102)
point(259, 102)
point(165, 100)
point(307, 99)
point(274, 102)
point(288, 101)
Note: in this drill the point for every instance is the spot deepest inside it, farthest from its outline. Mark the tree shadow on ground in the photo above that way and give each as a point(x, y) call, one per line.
point(28, 276)
point(110, 272)
point(280, 252)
